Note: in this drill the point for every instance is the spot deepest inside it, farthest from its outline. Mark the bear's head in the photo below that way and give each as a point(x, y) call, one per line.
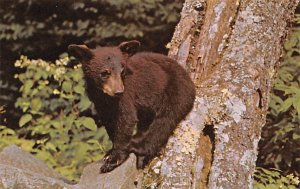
point(106, 66)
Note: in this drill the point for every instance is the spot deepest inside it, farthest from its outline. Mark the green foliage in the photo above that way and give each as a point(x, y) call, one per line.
point(9, 136)
point(52, 126)
point(273, 179)
point(280, 144)
point(25, 25)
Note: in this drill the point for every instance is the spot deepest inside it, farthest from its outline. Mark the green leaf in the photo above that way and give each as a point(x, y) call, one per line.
point(286, 105)
point(76, 75)
point(89, 123)
point(27, 86)
point(296, 104)
point(93, 141)
point(68, 96)
point(272, 186)
point(25, 119)
point(79, 89)
point(296, 136)
point(84, 103)
point(259, 186)
point(291, 43)
point(67, 86)
point(7, 131)
point(56, 124)
point(69, 121)
point(29, 74)
point(51, 146)
point(36, 104)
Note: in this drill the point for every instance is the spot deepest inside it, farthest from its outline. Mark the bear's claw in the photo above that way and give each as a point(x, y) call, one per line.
point(113, 160)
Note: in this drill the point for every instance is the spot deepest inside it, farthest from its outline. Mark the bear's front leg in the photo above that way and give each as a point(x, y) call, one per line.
point(112, 160)
point(127, 119)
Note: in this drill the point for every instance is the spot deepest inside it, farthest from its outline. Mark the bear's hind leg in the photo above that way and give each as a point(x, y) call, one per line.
point(148, 144)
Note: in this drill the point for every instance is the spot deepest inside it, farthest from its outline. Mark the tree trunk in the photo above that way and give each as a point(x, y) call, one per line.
point(231, 49)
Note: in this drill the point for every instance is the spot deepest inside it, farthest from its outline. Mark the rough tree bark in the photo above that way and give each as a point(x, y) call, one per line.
point(231, 49)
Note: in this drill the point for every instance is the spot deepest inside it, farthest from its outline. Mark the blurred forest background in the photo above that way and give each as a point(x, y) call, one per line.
point(43, 105)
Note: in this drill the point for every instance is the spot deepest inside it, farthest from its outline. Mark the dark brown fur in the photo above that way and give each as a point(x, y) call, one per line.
point(158, 94)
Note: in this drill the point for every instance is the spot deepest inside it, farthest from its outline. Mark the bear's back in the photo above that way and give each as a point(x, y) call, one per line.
point(158, 79)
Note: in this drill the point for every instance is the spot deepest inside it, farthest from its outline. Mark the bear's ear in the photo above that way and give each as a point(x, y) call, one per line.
point(130, 47)
point(81, 52)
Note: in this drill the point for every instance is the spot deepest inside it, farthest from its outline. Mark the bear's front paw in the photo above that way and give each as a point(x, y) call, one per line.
point(113, 160)
point(107, 167)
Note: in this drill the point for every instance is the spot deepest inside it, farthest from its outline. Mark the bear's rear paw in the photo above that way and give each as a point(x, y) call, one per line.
point(140, 162)
point(113, 160)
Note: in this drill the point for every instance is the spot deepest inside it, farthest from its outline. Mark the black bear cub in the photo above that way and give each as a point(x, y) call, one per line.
point(139, 98)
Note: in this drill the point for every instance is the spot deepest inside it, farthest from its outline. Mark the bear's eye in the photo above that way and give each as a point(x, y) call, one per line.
point(105, 74)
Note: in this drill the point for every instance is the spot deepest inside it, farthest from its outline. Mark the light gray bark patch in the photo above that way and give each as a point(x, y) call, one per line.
point(217, 10)
point(235, 107)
